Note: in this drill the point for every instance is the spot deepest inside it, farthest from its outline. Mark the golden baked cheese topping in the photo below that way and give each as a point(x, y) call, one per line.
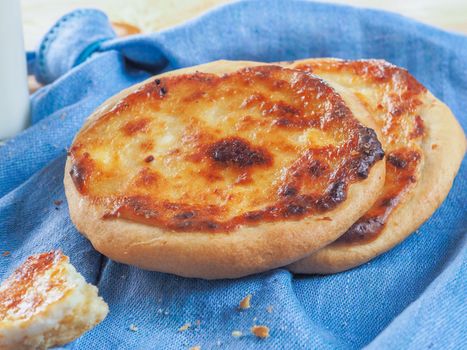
point(202, 152)
point(30, 289)
point(394, 99)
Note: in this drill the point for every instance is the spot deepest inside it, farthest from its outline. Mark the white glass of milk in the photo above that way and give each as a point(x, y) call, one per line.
point(14, 94)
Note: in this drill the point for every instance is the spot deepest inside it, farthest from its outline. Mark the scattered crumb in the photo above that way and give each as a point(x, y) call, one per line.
point(58, 202)
point(260, 331)
point(184, 327)
point(166, 312)
point(6, 253)
point(159, 311)
point(237, 334)
point(245, 303)
point(198, 323)
point(218, 343)
point(133, 328)
point(197, 347)
point(269, 309)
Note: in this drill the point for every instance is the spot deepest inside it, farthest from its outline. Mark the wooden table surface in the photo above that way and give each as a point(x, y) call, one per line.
point(153, 15)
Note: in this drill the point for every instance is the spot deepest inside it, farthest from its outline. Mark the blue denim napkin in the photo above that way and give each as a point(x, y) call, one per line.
point(413, 297)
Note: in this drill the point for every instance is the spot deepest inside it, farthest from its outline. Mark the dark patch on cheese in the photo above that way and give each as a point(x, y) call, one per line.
point(149, 159)
point(237, 152)
point(364, 229)
point(336, 193)
point(396, 161)
point(185, 215)
point(288, 191)
point(371, 149)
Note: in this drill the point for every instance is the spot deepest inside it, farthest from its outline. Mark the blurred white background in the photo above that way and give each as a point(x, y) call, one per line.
point(152, 15)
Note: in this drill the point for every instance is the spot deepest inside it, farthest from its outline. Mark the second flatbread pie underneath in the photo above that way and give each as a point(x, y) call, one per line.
point(222, 170)
point(424, 146)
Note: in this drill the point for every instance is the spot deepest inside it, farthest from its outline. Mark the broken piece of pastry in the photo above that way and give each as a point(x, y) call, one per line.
point(46, 303)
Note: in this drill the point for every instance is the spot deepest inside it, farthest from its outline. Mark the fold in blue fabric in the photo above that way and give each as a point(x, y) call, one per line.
point(412, 297)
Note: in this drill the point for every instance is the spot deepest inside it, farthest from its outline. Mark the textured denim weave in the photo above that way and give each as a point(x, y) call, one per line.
point(410, 298)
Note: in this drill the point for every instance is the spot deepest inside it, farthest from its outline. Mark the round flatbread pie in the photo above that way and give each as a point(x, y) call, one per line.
point(222, 170)
point(424, 146)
